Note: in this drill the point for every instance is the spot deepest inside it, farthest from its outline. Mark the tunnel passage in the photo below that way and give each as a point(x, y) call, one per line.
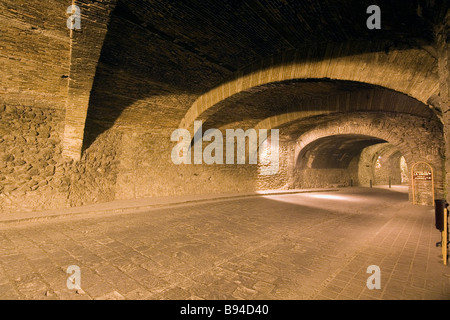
point(382, 164)
point(332, 160)
point(138, 70)
point(334, 152)
point(388, 148)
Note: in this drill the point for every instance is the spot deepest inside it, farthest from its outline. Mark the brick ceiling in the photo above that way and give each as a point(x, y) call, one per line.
point(334, 151)
point(159, 56)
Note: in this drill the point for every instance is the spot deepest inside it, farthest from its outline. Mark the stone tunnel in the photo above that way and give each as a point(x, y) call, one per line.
point(88, 113)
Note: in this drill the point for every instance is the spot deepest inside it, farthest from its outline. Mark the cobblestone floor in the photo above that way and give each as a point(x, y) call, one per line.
point(295, 246)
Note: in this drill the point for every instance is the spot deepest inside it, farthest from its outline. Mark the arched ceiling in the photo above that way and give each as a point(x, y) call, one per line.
point(334, 151)
point(232, 34)
point(144, 63)
point(415, 137)
point(164, 56)
point(397, 124)
point(386, 152)
point(306, 98)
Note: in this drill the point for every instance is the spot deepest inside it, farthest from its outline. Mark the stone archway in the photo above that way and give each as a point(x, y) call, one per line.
point(415, 142)
point(347, 61)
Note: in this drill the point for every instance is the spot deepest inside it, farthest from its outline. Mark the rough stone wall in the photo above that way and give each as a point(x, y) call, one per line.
point(93, 179)
point(326, 178)
point(389, 171)
point(30, 158)
point(283, 178)
point(366, 166)
point(443, 49)
point(35, 63)
point(146, 169)
point(389, 161)
point(119, 164)
point(33, 173)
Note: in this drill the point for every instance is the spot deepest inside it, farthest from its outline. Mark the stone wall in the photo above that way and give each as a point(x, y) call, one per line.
point(119, 164)
point(33, 173)
point(125, 163)
point(283, 178)
point(388, 167)
point(146, 169)
point(388, 170)
point(30, 154)
point(94, 178)
point(327, 177)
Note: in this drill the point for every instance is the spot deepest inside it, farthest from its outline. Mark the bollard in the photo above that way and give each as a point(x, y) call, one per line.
point(371, 183)
point(390, 184)
point(444, 237)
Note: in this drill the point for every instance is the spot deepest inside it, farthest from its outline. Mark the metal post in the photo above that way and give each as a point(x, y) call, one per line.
point(371, 183)
point(390, 184)
point(444, 237)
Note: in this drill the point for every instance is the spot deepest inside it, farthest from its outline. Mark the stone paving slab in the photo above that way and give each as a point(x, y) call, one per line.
point(291, 246)
point(137, 205)
point(411, 265)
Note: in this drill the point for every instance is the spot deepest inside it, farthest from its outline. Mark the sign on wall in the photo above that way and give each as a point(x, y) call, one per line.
point(422, 183)
point(423, 175)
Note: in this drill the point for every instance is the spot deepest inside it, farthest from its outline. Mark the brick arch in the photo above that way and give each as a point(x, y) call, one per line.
point(416, 138)
point(366, 166)
point(357, 62)
point(404, 131)
point(284, 118)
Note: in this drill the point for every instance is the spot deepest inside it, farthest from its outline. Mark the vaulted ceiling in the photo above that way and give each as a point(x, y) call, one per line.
point(150, 63)
point(164, 55)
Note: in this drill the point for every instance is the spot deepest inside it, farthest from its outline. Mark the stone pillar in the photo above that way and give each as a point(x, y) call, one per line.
point(443, 37)
point(291, 163)
point(85, 49)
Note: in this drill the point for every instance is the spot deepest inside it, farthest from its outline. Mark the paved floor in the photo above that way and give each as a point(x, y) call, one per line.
point(293, 246)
